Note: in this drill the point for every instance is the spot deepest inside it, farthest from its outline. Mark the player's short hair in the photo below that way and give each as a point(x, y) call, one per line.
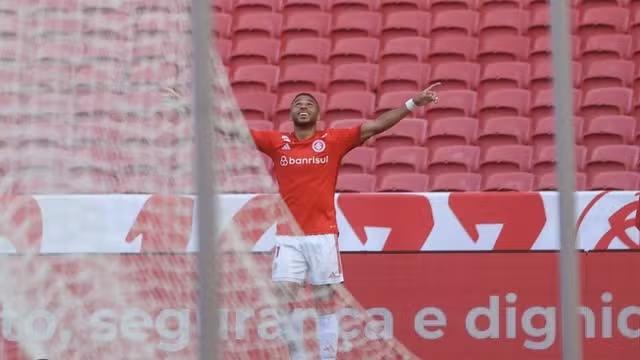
point(305, 94)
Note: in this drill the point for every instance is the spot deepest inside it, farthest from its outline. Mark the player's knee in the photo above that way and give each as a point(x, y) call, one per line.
point(326, 298)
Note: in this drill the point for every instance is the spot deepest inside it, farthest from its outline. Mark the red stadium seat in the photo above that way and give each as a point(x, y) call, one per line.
point(255, 26)
point(241, 7)
point(495, 48)
point(353, 77)
point(454, 159)
point(406, 24)
point(456, 182)
point(454, 23)
point(503, 22)
point(541, 48)
point(255, 78)
point(445, 5)
point(359, 160)
point(504, 102)
point(223, 47)
point(401, 159)
point(603, 20)
point(303, 78)
point(497, 5)
point(545, 159)
point(456, 75)
point(615, 180)
point(222, 25)
point(606, 101)
point(453, 48)
point(283, 106)
point(305, 51)
point(634, 22)
point(154, 74)
point(254, 52)
point(544, 131)
point(341, 6)
point(260, 124)
point(305, 25)
point(349, 105)
point(402, 50)
point(506, 158)
point(542, 74)
point(547, 182)
point(356, 183)
point(390, 7)
point(605, 47)
point(608, 73)
point(613, 158)
point(401, 77)
point(346, 124)
point(291, 7)
point(60, 52)
point(221, 6)
point(453, 103)
point(509, 181)
point(504, 75)
point(356, 24)
point(403, 183)
point(407, 132)
point(542, 104)
point(505, 130)
point(256, 106)
point(609, 130)
point(451, 131)
point(346, 51)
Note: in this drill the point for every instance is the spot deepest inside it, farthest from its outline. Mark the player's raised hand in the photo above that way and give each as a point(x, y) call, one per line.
point(427, 95)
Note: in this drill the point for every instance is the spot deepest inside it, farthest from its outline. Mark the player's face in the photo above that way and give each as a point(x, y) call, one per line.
point(304, 111)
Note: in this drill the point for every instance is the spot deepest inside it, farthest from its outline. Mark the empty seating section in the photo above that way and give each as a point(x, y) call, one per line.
point(492, 129)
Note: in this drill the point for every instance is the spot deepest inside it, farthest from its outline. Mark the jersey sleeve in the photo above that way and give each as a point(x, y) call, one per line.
point(347, 139)
point(264, 140)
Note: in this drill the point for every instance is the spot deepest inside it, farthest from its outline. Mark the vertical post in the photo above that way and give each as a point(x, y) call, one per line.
point(565, 170)
point(203, 167)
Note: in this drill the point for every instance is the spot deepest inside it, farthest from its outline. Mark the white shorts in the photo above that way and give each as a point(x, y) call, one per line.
point(311, 257)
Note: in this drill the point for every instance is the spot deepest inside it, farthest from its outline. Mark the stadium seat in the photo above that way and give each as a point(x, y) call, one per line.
point(456, 182)
point(305, 51)
point(303, 78)
point(634, 22)
point(542, 74)
point(547, 182)
point(453, 48)
point(346, 123)
point(504, 130)
point(291, 7)
point(221, 6)
point(454, 23)
point(356, 24)
point(545, 159)
point(401, 159)
point(451, 131)
point(357, 50)
point(605, 47)
point(406, 24)
point(283, 106)
point(503, 22)
point(506, 158)
point(256, 26)
point(456, 75)
point(116, 24)
point(408, 132)
point(254, 52)
point(609, 130)
point(612, 158)
point(60, 52)
point(454, 159)
point(341, 6)
point(544, 131)
point(541, 48)
point(509, 181)
point(403, 50)
point(389, 7)
point(241, 7)
point(353, 77)
point(608, 73)
point(161, 74)
point(497, 5)
point(305, 25)
point(495, 48)
point(356, 183)
point(606, 101)
point(542, 104)
point(603, 20)
point(446, 5)
point(255, 78)
point(403, 183)
point(260, 124)
point(256, 106)
point(504, 102)
point(349, 105)
point(401, 77)
point(223, 47)
point(615, 180)
point(222, 25)
point(452, 103)
point(358, 161)
point(504, 75)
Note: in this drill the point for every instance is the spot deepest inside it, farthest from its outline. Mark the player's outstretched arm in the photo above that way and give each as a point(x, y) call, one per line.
point(392, 117)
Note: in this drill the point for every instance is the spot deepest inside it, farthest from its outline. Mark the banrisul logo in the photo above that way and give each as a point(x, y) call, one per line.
point(312, 160)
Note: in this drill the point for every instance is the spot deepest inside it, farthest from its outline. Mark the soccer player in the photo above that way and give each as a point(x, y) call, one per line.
point(306, 163)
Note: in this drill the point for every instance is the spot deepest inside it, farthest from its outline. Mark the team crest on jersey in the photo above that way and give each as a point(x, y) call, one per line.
point(318, 146)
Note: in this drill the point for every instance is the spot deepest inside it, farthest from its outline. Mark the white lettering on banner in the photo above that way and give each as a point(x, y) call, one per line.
point(312, 160)
point(430, 317)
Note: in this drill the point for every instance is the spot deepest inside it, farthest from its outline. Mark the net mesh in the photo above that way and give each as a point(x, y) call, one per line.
point(95, 109)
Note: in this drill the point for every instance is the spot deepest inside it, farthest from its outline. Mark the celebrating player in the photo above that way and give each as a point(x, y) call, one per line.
point(306, 163)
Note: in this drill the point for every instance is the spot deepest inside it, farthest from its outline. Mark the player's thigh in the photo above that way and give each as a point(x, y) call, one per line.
point(289, 264)
point(323, 257)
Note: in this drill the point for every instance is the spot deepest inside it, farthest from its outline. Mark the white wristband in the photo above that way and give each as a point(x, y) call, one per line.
point(410, 105)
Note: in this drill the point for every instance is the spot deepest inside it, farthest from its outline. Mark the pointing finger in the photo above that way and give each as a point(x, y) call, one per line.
point(434, 85)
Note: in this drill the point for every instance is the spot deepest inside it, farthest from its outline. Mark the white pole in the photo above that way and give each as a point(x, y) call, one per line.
point(205, 204)
point(565, 174)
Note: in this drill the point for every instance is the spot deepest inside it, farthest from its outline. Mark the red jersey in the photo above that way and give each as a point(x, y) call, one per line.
point(306, 172)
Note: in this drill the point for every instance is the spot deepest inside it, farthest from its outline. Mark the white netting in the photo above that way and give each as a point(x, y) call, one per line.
point(85, 114)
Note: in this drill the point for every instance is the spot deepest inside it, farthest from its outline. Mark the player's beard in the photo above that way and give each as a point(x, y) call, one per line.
point(305, 124)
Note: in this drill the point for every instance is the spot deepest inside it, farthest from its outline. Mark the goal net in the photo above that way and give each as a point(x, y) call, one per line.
point(97, 219)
